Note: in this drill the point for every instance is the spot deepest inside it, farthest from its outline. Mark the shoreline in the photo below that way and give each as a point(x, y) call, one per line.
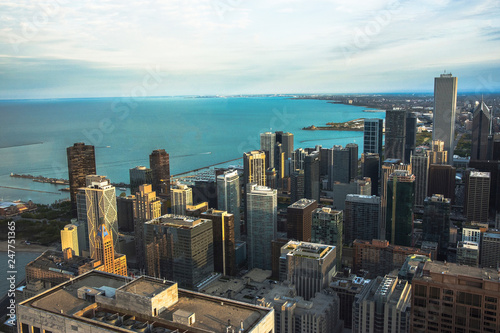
point(22, 247)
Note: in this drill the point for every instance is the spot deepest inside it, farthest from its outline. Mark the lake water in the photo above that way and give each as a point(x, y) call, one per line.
point(196, 132)
point(22, 259)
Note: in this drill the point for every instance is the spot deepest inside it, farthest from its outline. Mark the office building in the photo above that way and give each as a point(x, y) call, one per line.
point(420, 168)
point(327, 228)
point(447, 297)
point(223, 240)
point(299, 219)
point(125, 209)
point(477, 196)
point(138, 176)
point(341, 168)
point(105, 253)
point(347, 286)
point(81, 163)
point(493, 167)
point(361, 217)
point(99, 302)
point(399, 213)
point(383, 306)
point(372, 136)
point(436, 223)
point(311, 176)
point(254, 164)
point(159, 162)
point(490, 249)
point(271, 178)
point(438, 155)
point(196, 210)
point(297, 185)
point(395, 134)
point(353, 160)
point(287, 144)
point(267, 144)
point(308, 266)
point(481, 130)
point(410, 136)
point(472, 232)
point(205, 190)
point(370, 164)
point(468, 253)
point(341, 190)
point(442, 181)
point(179, 248)
point(261, 224)
point(378, 257)
point(182, 195)
point(444, 114)
point(69, 238)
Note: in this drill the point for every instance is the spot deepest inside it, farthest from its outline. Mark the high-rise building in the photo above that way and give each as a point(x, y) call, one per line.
point(223, 240)
point(261, 224)
point(341, 165)
point(196, 210)
point(271, 178)
point(361, 217)
point(436, 223)
point(297, 186)
point(477, 196)
point(182, 195)
point(254, 163)
point(159, 162)
point(347, 286)
point(493, 167)
point(179, 248)
point(442, 181)
point(372, 138)
point(125, 208)
point(311, 176)
point(308, 266)
point(438, 155)
point(481, 129)
point(327, 228)
point(465, 299)
point(104, 252)
point(353, 160)
point(395, 134)
point(81, 163)
point(267, 143)
point(468, 253)
point(299, 219)
point(228, 197)
point(420, 168)
point(410, 136)
point(445, 104)
point(341, 190)
point(147, 207)
point(370, 164)
point(490, 249)
point(383, 306)
point(287, 144)
point(100, 208)
point(69, 238)
point(399, 214)
point(298, 157)
point(138, 176)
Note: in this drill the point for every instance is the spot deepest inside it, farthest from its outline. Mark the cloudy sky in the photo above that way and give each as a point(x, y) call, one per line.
point(64, 48)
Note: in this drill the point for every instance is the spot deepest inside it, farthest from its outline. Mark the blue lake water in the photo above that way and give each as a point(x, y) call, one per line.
point(196, 132)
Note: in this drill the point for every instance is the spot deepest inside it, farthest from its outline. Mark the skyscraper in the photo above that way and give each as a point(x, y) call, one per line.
point(81, 163)
point(341, 165)
point(267, 143)
point(477, 196)
point(254, 164)
point(105, 252)
point(261, 224)
point(410, 136)
point(445, 104)
point(287, 144)
point(353, 160)
point(438, 155)
point(327, 228)
point(361, 217)
point(372, 138)
point(228, 197)
point(420, 168)
point(125, 208)
point(436, 223)
point(442, 181)
point(182, 195)
point(395, 134)
point(311, 176)
point(481, 129)
point(159, 162)
point(297, 185)
point(138, 176)
point(399, 215)
point(299, 219)
point(370, 164)
point(69, 238)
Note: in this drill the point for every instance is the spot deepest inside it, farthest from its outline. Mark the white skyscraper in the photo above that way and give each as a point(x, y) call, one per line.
point(267, 143)
point(228, 197)
point(182, 195)
point(445, 104)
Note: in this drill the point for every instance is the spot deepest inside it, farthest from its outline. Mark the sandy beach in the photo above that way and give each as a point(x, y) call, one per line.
point(20, 246)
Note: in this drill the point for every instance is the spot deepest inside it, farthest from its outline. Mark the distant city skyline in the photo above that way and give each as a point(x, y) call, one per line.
point(59, 49)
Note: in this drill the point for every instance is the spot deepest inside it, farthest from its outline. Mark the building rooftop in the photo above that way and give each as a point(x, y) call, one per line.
point(305, 249)
point(302, 203)
point(54, 261)
point(178, 221)
point(479, 174)
point(468, 245)
point(146, 287)
point(439, 268)
point(363, 198)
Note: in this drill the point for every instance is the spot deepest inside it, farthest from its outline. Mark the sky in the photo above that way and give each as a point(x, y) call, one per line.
point(99, 48)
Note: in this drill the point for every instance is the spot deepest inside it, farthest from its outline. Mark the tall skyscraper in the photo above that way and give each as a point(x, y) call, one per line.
point(262, 227)
point(353, 160)
point(438, 155)
point(481, 130)
point(267, 143)
point(411, 136)
point(370, 167)
point(493, 167)
point(477, 196)
point(341, 165)
point(399, 215)
point(361, 217)
point(159, 162)
point(69, 238)
point(125, 209)
point(420, 168)
point(442, 181)
point(254, 164)
point(138, 176)
point(100, 207)
point(105, 252)
point(81, 163)
point(182, 195)
point(436, 223)
point(299, 219)
point(228, 197)
point(327, 228)
point(445, 104)
point(372, 138)
point(287, 144)
point(311, 176)
point(395, 134)
point(297, 185)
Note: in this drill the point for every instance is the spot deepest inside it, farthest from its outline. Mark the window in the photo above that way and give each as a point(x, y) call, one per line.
point(434, 293)
point(420, 290)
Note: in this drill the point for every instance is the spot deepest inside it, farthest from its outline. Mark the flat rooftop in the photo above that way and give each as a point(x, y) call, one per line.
point(437, 267)
point(302, 203)
point(146, 287)
point(54, 261)
point(178, 221)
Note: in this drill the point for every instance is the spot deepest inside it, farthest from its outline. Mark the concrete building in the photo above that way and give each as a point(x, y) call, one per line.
point(299, 219)
point(138, 176)
point(182, 195)
point(81, 163)
point(69, 238)
point(347, 286)
point(447, 297)
point(383, 306)
point(179, 248)
point(477, 196)
point(159, 162)
point(100, 302)
point(196, 210)
point(262, 225)
point(372, 136)
point(229, 197)
point(361, 217)
point(342, 190)
point(468, 253)
point(438, 155)
point(444, 114)
point(308, 266)
point(490, 249)
point(327, 228)
point(399, 212)
point(436, 223)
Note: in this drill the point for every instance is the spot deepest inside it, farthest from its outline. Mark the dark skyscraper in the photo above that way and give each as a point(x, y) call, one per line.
point(353, 160)
point(477, 196)
point(159, 162)
point(411, 136)
point(81, 163)
point(395, 134)
point(372, 138)
point(445, 104)
point(311, 176)
point(481, 125)
point(436, 223)
point(140, 175)
point(341, 165)
point(442, 181)
point(287, 144)
point(297, 185)
point(493, 167)
point(361, 217)
point(299, 219)
point(399, 214)
point(420, 168)
point(370, 164)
